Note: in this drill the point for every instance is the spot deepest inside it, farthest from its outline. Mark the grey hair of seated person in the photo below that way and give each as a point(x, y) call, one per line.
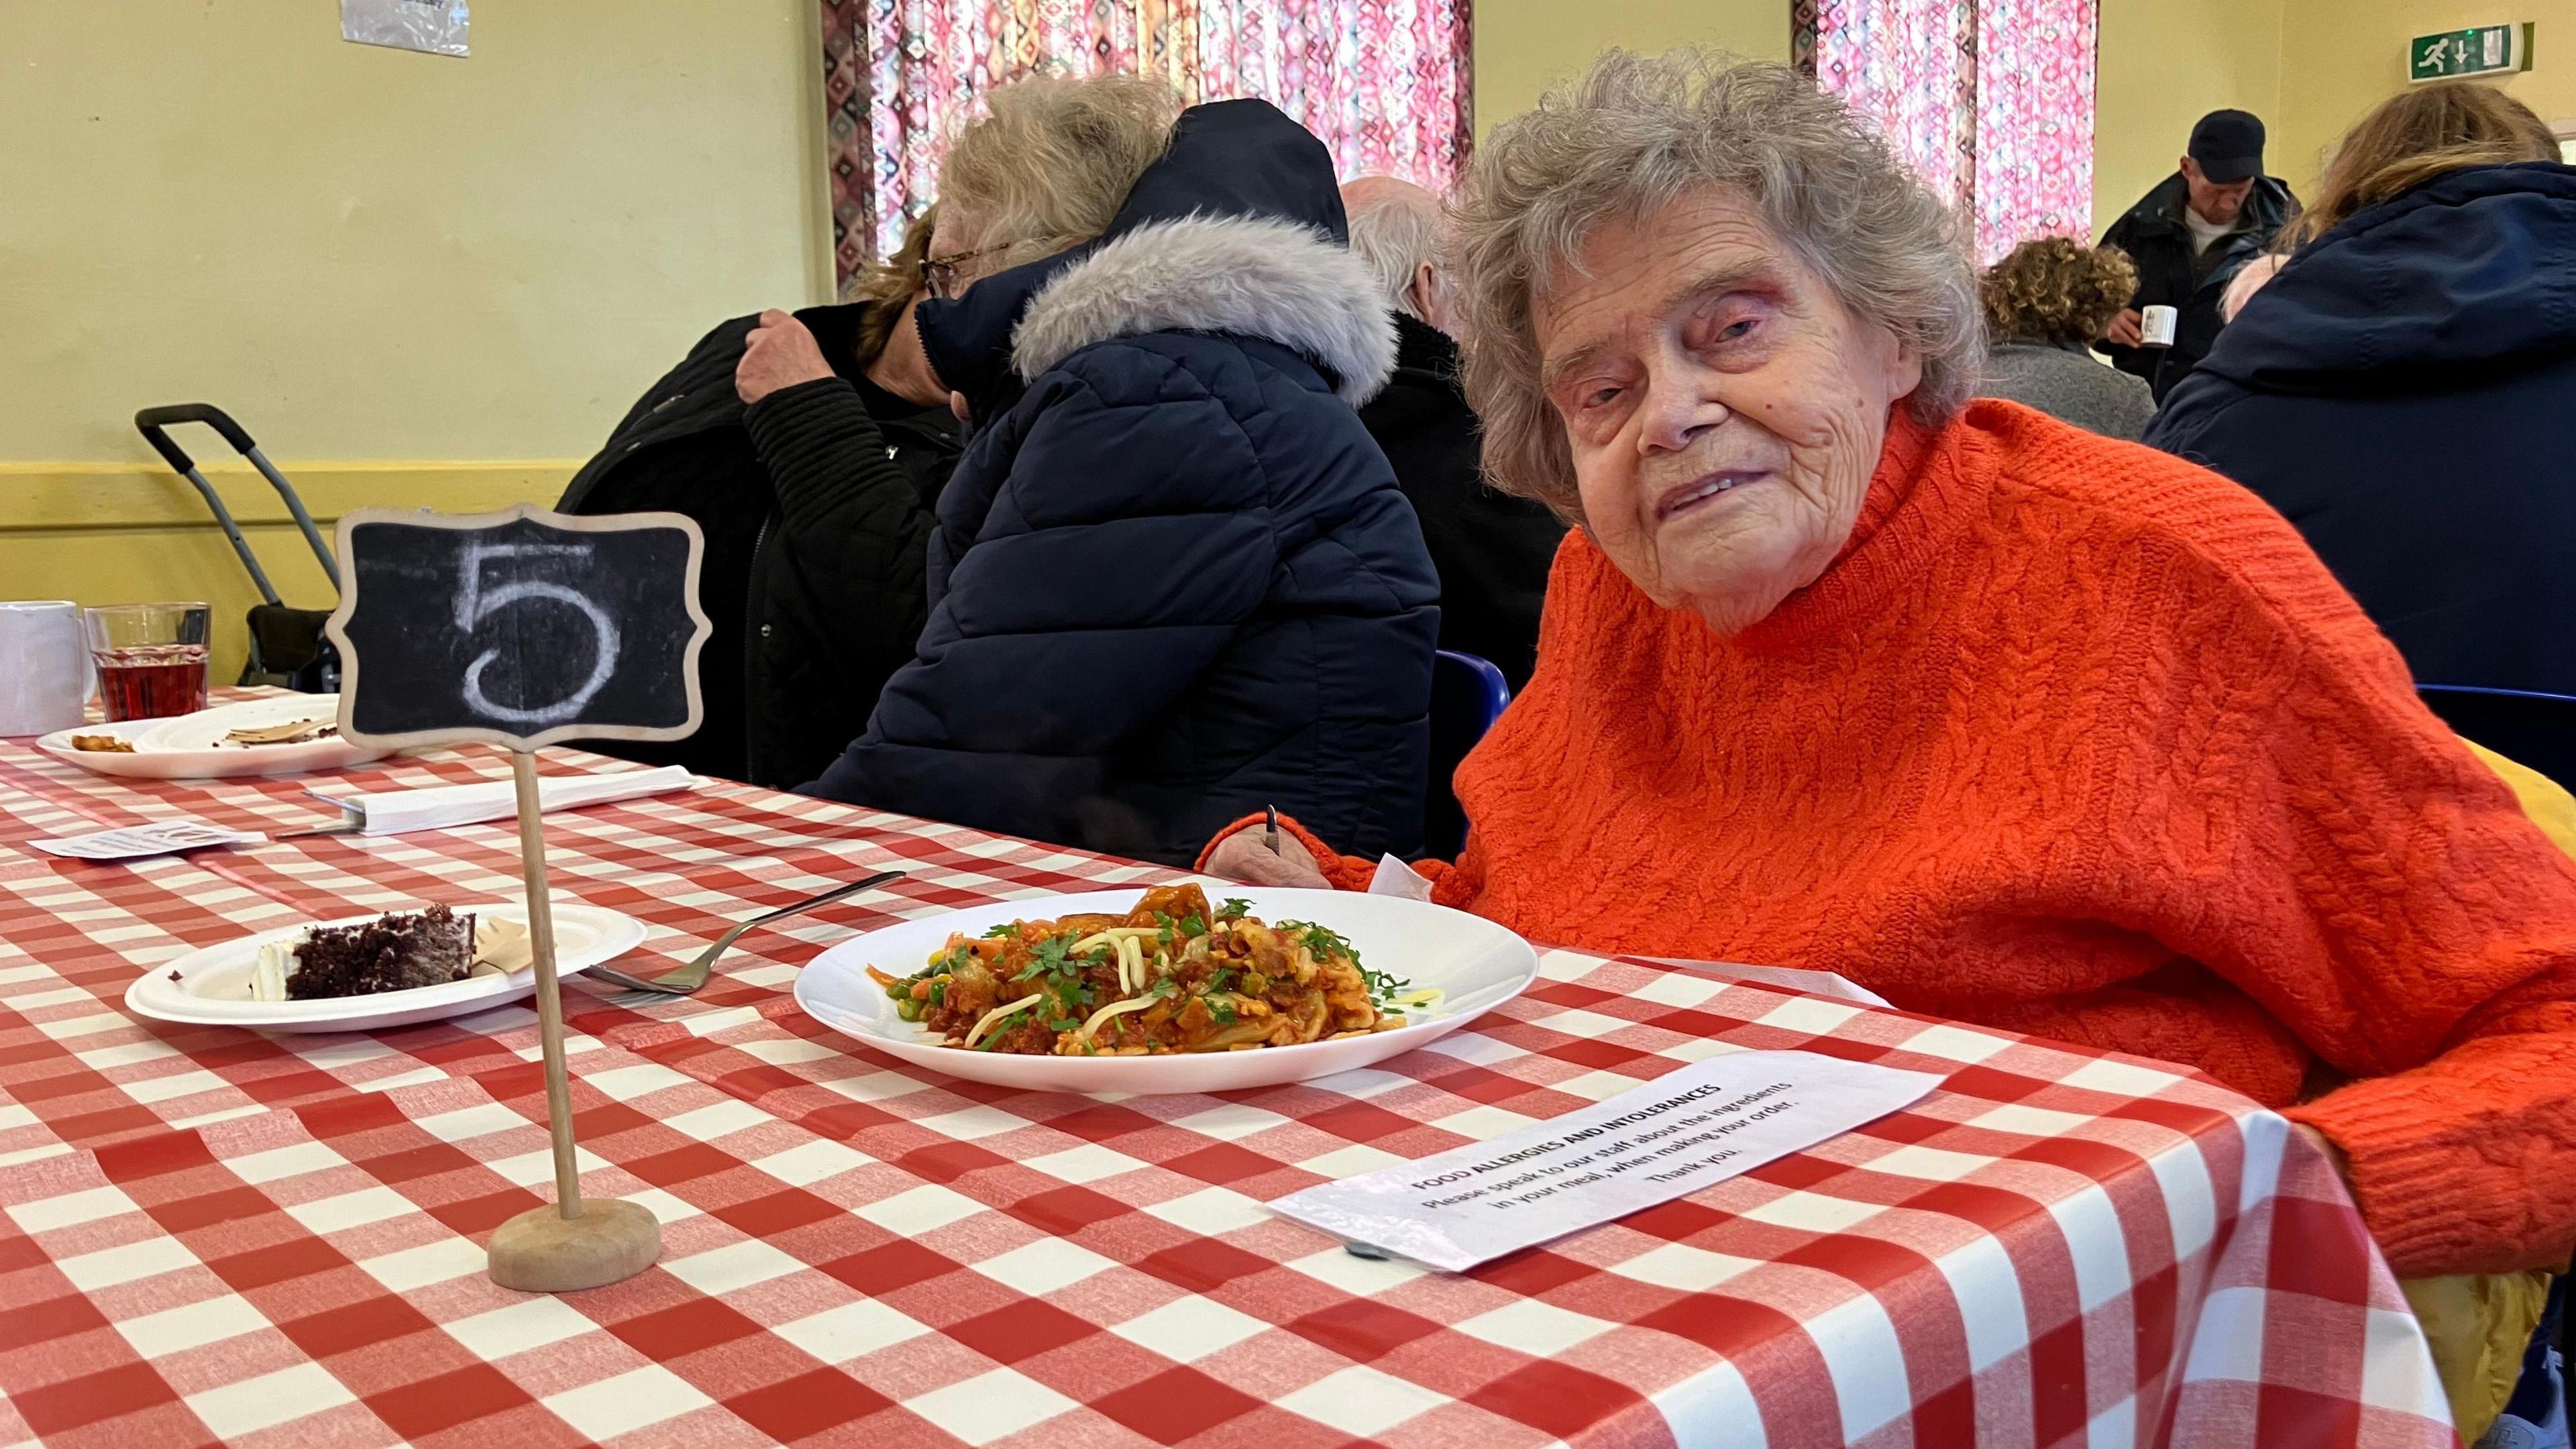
point(1051, 162)
point(1395, 228)
point(1638, 134)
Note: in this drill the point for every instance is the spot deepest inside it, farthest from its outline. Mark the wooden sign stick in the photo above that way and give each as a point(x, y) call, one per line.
point(541, 944)
point(518, 629)
point(561, 1248)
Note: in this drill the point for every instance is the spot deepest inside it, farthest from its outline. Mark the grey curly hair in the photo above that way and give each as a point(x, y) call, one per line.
point(1639, 133)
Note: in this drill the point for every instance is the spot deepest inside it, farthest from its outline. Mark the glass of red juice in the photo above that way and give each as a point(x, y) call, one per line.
point(151, 658)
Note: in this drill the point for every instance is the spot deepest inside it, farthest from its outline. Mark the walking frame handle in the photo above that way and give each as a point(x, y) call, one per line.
point(154, 424)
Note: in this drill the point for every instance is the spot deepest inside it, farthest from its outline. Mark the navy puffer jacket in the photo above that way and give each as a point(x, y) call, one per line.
point(1174, 581)
point(2405, 392)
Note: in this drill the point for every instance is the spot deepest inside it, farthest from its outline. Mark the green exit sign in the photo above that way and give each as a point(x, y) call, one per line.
point(2483, 50)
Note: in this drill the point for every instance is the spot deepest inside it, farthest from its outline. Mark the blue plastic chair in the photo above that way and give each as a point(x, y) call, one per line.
point(2524, 726)
point(1467, 696)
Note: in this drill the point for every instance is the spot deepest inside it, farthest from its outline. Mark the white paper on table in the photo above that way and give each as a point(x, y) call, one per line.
point(1681, 1132)
point(133, 842)
point(1395, 878)
point(392, 812)
point(1814, 983)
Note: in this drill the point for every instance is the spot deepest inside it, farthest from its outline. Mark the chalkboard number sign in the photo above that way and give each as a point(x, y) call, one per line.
point(518, 628)
point(521, 628)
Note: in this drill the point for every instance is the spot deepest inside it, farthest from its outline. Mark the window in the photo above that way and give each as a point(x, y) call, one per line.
point(1383, 82)
point(1990, 101)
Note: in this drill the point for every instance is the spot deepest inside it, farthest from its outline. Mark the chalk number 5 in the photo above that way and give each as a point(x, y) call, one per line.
point(474, 604)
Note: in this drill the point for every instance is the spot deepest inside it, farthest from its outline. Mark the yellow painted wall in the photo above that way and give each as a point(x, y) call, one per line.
point(368, 253)
point(2345, 56)
point(1524, 46)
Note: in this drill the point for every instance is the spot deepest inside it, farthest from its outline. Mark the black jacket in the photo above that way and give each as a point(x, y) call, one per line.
point(1174, 581)
point(2405, 392)
point(2171, 274)
point(817, 509)
point(1492, 550)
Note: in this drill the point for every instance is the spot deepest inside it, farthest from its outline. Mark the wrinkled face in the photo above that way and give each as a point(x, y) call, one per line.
point(1724, 408)
point(2216, 204)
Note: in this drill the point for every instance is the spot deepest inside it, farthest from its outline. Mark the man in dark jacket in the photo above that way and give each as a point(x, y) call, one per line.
point(816, 503)
point(2405, 392)
point(1492, 550)
point(2189, 237)
point(1174, 581)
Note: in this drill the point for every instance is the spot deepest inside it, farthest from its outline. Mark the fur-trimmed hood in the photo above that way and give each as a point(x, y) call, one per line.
point(1238, 230)
point(1248, 276)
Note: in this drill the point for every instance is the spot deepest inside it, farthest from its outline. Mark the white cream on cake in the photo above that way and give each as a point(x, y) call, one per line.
point(268, 974)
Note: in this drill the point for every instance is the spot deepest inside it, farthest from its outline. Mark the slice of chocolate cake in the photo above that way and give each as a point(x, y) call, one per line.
point(392, 953)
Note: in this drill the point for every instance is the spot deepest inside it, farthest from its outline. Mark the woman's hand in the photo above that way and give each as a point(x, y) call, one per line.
point(1245, 856)
point(2126, 329)
point(782, 354)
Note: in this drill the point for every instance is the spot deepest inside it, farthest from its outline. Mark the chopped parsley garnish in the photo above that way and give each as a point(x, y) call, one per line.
point(1064, 1023)
point(1050, 959)
point(1221, 979)
point(1320, 941)
point(1193, 926)
point(1223, 1012)
point(996, 1033)
point(1001, 932)
point(1382, 984)
point(1233, 908)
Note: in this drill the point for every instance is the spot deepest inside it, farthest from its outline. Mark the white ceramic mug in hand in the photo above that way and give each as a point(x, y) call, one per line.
point(44, 666)
point(2156, 326)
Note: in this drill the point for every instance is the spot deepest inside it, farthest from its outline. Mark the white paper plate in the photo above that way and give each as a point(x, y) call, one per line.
point(184, 748)
point(1479, 964)
point(213, 984)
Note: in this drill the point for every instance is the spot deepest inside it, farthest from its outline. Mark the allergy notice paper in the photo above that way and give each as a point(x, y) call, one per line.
point(1676, 1134)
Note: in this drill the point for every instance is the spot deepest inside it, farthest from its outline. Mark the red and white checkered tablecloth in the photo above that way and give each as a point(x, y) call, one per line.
point(211, 1235)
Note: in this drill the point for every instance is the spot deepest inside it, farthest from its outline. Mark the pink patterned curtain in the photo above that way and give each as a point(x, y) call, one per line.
point(1385, 83)
point(1990, 101)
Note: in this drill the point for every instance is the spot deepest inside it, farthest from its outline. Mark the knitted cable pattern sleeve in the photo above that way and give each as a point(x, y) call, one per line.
point(2418, 932)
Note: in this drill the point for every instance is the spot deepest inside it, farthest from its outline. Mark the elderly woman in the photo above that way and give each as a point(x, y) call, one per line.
point(1173, 578)
point(2011, 723)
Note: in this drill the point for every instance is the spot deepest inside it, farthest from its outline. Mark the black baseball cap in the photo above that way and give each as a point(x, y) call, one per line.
point(2228, 145)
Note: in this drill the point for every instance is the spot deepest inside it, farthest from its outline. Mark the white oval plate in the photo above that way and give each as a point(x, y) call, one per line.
point(213, 983)
point(184, 748)
point(1479, 964)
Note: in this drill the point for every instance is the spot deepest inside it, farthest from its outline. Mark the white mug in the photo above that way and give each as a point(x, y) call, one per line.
point(44, 666)
point(2156, 326)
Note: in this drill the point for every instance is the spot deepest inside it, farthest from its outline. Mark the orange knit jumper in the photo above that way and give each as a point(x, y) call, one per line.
point(2078, 740)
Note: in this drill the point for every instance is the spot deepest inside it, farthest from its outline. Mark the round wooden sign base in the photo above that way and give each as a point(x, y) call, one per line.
point(542, 1251)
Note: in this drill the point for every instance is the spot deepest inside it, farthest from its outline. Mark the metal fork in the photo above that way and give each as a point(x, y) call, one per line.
point(694, 975)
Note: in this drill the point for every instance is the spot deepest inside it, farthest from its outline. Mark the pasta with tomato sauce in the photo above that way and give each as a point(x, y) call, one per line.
point(1172, 975)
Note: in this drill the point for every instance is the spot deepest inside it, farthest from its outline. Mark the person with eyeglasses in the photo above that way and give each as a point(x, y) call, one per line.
point(1174, 578)
point(812, 446)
